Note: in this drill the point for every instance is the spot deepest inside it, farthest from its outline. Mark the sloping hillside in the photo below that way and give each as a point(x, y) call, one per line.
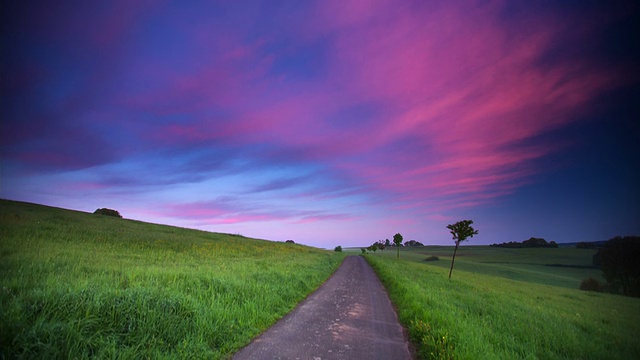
point(76, 284)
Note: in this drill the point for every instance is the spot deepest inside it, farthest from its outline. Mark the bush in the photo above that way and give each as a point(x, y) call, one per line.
point(338, 249)
point(290, 242)
point(108, 212)
point(591, 284)
point(364, 251)
point(432, 258)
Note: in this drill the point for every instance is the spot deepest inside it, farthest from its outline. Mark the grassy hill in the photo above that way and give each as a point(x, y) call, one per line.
point(77, 285)
point(507, 304)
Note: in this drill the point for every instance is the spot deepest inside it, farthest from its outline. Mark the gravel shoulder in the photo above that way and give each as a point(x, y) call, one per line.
point(349, 317)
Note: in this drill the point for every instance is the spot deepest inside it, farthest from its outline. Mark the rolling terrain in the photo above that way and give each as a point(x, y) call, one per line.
point(507, 304)
point(77, 285)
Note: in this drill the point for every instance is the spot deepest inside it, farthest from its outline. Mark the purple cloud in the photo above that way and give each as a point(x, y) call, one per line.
point(301, 113)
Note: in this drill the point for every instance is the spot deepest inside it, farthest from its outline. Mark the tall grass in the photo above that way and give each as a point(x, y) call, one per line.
point(480, 316)
point(77, 285)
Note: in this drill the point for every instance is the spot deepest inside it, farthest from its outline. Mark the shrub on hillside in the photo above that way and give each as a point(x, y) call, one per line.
point(592, 284)
point(338, 249)
point(290, 242)
point(432, 258)
point(108, 212)
point(620, 261)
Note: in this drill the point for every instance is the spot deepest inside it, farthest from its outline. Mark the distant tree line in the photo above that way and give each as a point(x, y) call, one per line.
point(383, 244)
point(413, 243)
point(531, 243)
point(378, 245)
point(586, 245)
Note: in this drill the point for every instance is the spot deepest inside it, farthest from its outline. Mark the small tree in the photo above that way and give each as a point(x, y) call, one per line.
point(364, 251)
point(397, 239)
point(338, 249)
point(460, 232)
point(381, 245)
point(387, 242)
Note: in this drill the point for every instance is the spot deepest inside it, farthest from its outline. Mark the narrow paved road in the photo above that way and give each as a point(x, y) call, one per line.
point(348, 317)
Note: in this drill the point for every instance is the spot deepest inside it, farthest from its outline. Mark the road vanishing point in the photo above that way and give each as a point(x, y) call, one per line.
point(349, 317)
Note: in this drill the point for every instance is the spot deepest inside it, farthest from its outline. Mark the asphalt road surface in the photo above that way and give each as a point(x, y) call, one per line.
point(348, 317)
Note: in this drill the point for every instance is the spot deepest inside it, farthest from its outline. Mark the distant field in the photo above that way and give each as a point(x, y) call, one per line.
point(506, 304)
point(77, 285)
point(565, 267)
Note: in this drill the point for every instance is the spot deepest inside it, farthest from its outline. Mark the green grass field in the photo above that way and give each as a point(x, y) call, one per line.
point(507, 304)
point(565, 267)
point(78, 285)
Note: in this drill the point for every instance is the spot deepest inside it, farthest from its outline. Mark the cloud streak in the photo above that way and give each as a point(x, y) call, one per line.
point(368, 108)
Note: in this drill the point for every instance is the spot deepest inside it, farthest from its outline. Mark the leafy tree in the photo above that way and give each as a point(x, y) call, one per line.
point(620, 261)
point(380, 245)
point(364, 251)
point(397, 239)
point(387, 242)
point(338, 249)
point(596, 260)
point(460, 232)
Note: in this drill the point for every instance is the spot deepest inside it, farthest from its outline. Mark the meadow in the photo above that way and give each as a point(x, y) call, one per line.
point(564, 267)
point(79, 285)
point(507, 304)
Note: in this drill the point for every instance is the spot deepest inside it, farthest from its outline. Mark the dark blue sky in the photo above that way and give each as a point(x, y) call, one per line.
point(329, 122)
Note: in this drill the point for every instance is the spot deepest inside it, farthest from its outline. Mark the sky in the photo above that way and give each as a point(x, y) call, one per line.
point(328, 122)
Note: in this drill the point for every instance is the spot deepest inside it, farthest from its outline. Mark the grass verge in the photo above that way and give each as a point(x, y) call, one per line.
point(477, 315)
point(77, 285)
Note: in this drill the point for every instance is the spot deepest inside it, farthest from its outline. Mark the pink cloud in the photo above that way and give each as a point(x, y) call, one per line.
point(326, 217)
point(354, 111)
point(234, 211)
point(465, 88)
